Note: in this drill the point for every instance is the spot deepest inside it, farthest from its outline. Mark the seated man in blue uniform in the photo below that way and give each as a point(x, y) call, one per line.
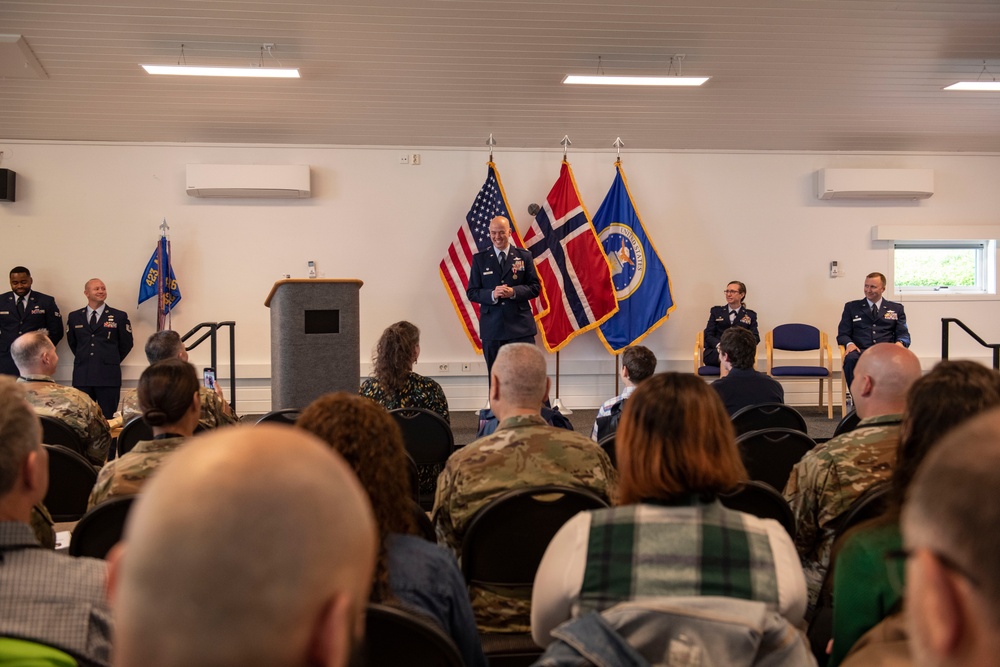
point(733, 314)
point(503, 281)
point(868, 321)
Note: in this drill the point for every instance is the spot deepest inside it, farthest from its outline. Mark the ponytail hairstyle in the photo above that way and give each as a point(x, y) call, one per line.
point(166, 391)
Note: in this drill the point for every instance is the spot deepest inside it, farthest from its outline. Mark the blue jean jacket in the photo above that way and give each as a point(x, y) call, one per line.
point(679, 632)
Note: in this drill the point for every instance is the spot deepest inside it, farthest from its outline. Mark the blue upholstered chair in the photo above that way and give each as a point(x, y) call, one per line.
point(699, 353)
point(802, 338)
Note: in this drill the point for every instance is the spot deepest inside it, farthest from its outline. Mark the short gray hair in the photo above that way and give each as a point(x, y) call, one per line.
point(163, 345)
point(521, 370)
point(20, 431)
point(27, 348)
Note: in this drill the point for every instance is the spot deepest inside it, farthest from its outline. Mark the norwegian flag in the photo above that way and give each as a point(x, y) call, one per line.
point(571, 265)
point(473, 237)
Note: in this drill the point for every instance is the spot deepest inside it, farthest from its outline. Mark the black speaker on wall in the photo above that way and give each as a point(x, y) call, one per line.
point(7, 185)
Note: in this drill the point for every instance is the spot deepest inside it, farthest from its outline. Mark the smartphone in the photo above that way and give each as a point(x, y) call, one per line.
point(210, 378)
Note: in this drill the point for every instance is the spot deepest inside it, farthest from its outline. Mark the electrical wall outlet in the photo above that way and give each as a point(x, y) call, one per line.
point(466, 367)
point(415, 159)
point(404, 158)
point(443, 368)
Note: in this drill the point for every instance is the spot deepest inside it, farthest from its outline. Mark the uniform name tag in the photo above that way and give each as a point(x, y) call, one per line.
point(77, 326)
point(4, 312)
point(857, 319)
point(488, 272)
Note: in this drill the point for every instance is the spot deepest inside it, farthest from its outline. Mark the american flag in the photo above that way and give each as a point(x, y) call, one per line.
point(571, 265)
point(473, 237)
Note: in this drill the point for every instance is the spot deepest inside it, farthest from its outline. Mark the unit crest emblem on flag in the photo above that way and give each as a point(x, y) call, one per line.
point(625, 254)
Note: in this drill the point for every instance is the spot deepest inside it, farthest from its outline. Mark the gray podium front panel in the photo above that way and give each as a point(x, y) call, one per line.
point(315, 340)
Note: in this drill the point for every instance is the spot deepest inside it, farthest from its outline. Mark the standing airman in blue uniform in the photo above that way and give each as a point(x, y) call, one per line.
point(23, 310)
point(100, 337)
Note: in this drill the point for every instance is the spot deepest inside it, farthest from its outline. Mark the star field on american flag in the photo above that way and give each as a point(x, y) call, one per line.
point(488, 205)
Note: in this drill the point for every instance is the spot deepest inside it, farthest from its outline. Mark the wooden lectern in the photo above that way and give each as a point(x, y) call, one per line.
point(315, 340)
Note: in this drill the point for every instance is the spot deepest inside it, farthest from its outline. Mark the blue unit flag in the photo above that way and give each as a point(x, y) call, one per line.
point(642, 284)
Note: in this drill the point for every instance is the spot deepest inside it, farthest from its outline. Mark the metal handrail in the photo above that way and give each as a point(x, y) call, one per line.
point(945, 321)
point(212, 334)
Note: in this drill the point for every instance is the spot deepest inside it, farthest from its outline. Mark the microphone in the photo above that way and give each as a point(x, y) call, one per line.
point(533, 209)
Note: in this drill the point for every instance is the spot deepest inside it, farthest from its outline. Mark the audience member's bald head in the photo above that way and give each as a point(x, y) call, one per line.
point(883, 376)
point(34, 354)
point(252, 546)
point(949, 526)
point(520, 381)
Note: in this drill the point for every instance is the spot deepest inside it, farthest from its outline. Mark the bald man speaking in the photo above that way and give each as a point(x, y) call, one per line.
point(503, 281)
point(252, 546)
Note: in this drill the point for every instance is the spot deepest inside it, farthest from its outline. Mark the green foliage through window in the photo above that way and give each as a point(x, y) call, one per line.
point(936, 267)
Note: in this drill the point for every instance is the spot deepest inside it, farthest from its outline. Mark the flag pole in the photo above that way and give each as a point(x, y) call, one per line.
point(618, 145)
point(557, 403)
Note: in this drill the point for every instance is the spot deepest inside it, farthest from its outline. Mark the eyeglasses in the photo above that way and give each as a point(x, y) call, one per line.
point(896, 558)
point(731, 291)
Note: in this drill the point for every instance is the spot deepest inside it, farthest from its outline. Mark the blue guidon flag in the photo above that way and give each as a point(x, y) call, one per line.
point(642, 284)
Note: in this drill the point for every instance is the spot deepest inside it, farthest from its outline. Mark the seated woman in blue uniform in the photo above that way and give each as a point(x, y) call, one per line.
point(733, 314)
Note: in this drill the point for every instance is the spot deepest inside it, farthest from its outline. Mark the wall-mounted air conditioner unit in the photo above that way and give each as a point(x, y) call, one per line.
point(252, 181)
point(874, 183)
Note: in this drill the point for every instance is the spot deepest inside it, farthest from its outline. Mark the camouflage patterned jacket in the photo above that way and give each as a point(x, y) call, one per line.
point(73, 407)
point(213, 408)
point(828, 479)
point(523, 452)
point(126, 475)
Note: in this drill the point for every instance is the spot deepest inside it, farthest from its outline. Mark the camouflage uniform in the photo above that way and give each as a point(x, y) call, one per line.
point(75, 409)
point(126, 475)
point(213, 412)
point(523, 452)
point(828, 479)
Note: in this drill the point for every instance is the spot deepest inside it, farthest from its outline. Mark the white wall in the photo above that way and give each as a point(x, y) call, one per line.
point(87, 210)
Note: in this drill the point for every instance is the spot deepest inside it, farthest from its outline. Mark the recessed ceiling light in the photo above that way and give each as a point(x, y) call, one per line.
point(192, 70)
point(989, 86)
point(603, 80)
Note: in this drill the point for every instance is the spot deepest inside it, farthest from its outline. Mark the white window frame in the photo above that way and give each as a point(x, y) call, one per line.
point(943, 236)
point(985, 270)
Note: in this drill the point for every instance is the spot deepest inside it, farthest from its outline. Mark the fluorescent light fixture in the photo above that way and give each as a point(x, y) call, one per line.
point(988, 86)
point(602, 80)
point(191, 70)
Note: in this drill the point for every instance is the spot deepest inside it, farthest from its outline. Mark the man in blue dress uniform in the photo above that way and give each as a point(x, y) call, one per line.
point(23, 310)
point(503, 281)
point(868, 321)
point(100, 337)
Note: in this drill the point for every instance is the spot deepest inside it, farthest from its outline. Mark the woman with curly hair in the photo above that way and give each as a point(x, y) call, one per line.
point(393, 383)
point(410, 571)
point(669, 536)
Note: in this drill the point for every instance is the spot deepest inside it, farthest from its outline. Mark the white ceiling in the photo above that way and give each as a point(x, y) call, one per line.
point(823, 75)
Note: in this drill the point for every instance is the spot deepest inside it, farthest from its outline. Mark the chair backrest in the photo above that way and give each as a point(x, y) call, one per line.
point(872, 502)
point(57, 432)
point(100, 528)
point(795, 337)
point(768, 415)
point(427, 436)
point(394, 637)
point(284, 416)
point(607, 443)
point(770, 454)
point(71, 479)
point(134, 431)
point(763, 501)
point(506, 539)
point(848, 423)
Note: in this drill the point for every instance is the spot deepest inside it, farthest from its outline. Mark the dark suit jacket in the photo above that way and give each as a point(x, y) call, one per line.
point(41, 312)
point(858, 327)
point(745, 386)
point(718, 322)
point(99, 354)
point(507, 318)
